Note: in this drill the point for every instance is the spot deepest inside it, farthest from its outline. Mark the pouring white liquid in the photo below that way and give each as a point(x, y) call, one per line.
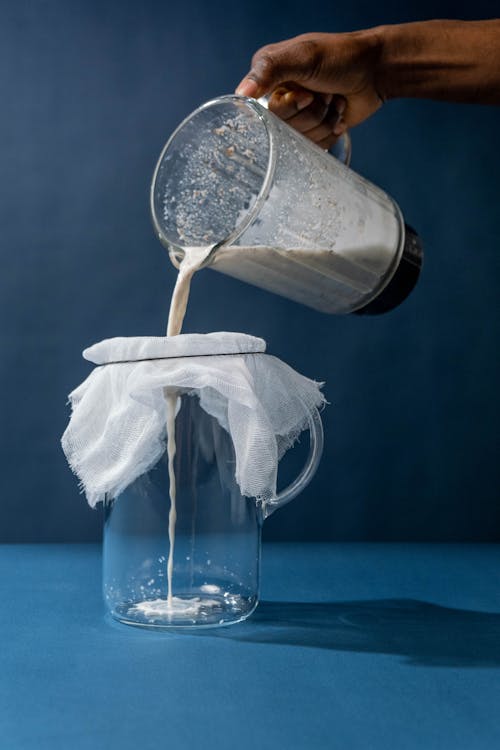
point(194, 258)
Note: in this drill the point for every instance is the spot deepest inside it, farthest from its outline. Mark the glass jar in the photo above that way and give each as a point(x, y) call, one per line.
point(215, 554)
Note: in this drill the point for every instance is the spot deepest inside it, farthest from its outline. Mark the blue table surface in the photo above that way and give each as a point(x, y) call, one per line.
point(353, 646)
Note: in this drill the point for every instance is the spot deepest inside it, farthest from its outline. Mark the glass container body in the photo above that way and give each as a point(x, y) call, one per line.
point(216, 551)
point(279, 212)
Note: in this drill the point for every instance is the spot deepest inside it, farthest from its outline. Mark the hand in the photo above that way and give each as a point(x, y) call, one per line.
point(321, 84)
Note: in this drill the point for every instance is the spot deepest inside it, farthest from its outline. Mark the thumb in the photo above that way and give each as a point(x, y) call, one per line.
point(293, 60)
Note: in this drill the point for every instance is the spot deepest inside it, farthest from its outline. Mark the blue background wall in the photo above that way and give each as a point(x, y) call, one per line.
point(90, 92)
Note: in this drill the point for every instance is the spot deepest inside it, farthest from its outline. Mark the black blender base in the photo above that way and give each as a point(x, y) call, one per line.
point(403, 281)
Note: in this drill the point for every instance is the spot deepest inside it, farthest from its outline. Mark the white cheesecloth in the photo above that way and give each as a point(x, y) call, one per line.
point(117, 429)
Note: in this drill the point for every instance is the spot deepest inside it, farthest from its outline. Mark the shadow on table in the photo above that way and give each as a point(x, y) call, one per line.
point(426, 633)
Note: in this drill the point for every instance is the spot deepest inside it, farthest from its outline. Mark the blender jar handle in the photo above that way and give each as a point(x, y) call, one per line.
point(307, 473)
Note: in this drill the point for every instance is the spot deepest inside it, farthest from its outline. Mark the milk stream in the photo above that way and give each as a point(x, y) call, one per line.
point(194, 258)
point(171, 400)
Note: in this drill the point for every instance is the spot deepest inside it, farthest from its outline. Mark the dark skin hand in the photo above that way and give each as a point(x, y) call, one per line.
point(323, 84)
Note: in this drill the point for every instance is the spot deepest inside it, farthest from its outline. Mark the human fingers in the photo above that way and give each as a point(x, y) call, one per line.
point(332, 123)
point(286, 101)
point(317, 120)
point(320, 118)
point(307, 117)
point(328, 142)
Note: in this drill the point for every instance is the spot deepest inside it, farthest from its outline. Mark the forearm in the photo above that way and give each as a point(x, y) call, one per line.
point(448, 60)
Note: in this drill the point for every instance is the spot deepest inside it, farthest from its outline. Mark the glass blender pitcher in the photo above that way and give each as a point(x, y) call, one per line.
point(280, 213)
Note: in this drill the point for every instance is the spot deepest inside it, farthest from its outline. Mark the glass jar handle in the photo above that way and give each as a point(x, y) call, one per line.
point(341, 150)
point(307, 473)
